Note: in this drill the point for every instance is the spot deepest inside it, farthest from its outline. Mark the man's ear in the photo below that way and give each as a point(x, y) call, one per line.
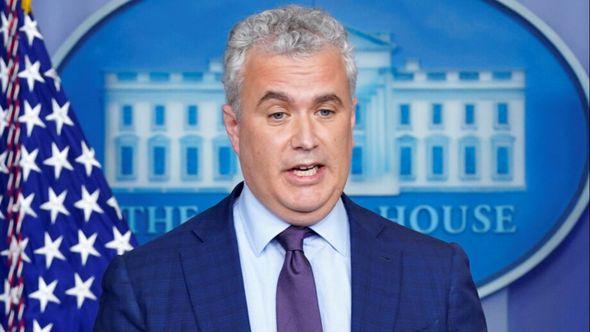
point(232, 127)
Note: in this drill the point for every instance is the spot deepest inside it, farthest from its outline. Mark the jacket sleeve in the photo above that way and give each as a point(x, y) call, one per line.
point(465, 312)
point(118, 309)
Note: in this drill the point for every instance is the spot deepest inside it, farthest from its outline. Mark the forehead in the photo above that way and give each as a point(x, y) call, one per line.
point(322, 72)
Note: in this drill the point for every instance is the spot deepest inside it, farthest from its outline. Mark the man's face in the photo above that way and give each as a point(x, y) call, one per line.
point(294, 135)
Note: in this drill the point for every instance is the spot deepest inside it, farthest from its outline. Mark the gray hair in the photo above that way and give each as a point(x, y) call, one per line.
point(291, 30)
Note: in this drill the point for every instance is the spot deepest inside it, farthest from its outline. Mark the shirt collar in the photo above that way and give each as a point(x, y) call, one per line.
point(262, 226)
point(334, 229)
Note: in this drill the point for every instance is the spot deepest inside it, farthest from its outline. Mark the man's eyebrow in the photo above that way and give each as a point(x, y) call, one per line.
point(274, 95)
point(328, 98)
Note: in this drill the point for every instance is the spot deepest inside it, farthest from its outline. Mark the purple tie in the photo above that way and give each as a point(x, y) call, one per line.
point(297, 302)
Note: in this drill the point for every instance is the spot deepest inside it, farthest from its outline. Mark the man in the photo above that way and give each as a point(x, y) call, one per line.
point(287, 250)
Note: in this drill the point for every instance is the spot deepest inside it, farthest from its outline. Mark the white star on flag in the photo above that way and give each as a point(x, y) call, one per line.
point(31, 73)
point(3, 74)
point(52, 73)
point(3, 168)
point(87, 159)
point(88, 203)
point(23, 206)
point(4, 27)
point(81, 290)
point(3, 120)
point(113, 203)
point(120, 242)
point(44, 293)
point(17, 249)
point(27, 162)
point(85, 246)
point(55, 204)
point(59, 115)
point(31, 117)
point(51, 250)
point(37, 327)
point(30, 29)
point(6, 297)
point(58, 159)
point(1, 215)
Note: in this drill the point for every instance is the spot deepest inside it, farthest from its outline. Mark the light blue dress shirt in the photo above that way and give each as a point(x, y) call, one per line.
point(261, 259)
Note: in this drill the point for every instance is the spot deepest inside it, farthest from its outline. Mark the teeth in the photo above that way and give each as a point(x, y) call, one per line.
point(308, 172)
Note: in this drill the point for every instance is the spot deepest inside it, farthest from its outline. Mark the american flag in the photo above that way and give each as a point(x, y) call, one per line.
point(60, 223)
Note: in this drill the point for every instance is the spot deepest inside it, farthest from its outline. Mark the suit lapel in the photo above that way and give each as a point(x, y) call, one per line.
point(376, 273)
point(212, 271)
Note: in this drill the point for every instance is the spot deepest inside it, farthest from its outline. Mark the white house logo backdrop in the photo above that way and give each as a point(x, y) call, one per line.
point(471, 125)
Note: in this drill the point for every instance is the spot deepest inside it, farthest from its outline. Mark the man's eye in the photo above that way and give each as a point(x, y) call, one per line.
point(325, 112)
point(278, 115)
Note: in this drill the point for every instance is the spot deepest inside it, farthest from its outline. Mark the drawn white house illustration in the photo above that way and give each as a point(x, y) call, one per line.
point(417, 129)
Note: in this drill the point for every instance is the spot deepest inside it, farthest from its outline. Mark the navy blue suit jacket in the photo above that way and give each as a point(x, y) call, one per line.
point(190, 279)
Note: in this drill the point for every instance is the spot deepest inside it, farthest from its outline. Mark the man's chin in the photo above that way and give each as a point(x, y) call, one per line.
point(308, 212)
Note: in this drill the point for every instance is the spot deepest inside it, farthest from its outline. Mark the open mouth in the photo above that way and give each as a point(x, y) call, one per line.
point(306, 170)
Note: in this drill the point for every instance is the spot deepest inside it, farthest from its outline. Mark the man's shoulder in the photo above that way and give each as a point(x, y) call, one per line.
point(422, 254)
point(167, 247)
point(395, 235)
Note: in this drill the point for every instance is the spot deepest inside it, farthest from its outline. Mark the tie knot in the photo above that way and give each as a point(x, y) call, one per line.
point(292, 237)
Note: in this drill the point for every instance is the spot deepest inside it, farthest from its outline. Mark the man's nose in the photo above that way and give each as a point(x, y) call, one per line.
point(304, 134)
